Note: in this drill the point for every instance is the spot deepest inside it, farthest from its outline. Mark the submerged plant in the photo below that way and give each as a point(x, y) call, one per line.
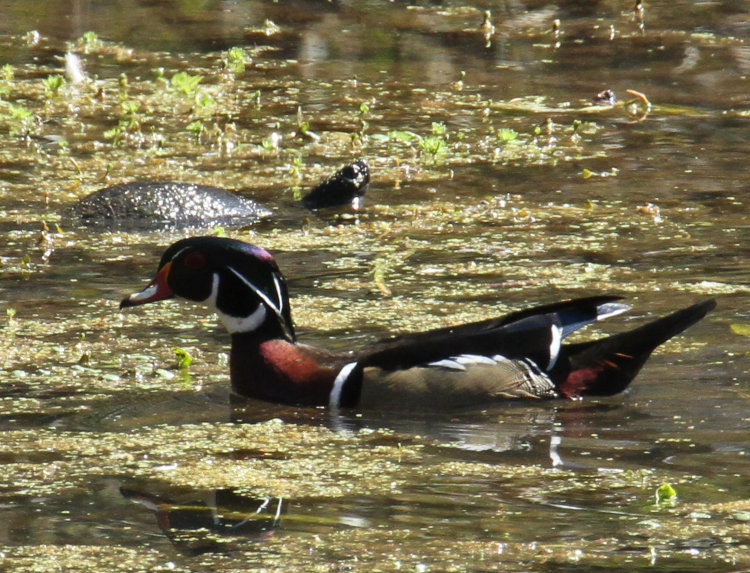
point(665, 494)
point(20, 119)
point(184, 359)
point(303, 126)
point(88, 42)
point(295, 170)
point(271, 143)
point(129, 122)
point(432, 146)
point(743, 329)
point(364, 110)
point(235, 60)
point(204, 103)
point(7, 72)
point(185, 83)
point(52, 84)
point(506, 135)
point(270, 28)
point(195, 127)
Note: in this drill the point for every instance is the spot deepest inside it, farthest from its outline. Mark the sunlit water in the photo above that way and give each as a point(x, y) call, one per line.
point(655, 210)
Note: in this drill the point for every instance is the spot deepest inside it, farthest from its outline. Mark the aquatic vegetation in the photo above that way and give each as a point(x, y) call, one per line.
point(133, 111)
point(89, 42)
point(184, 359)
point(6, 73)
point(53, 83)
point(303, 127)
point(129, 123)
point(20, 120)
point(665, 494)
point(742, 329)
point(492, 188)
point(432, 147)
point(236, 60)
point(185, 83)
point(506, 135)
point(270, 28)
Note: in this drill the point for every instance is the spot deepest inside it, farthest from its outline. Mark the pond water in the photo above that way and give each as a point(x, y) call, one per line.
point(496, 184)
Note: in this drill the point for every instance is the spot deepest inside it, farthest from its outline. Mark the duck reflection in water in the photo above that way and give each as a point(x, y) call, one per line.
point(216, 523)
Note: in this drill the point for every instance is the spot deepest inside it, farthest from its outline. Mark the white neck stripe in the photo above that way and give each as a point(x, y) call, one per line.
point(554, 347)
point(334, 399)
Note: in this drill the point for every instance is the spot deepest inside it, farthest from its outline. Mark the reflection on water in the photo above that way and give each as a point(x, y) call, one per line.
point(223, 514)
point(95, 415)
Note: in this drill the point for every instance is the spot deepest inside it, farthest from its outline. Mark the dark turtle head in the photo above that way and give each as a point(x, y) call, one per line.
point(240, 281)
point(346, 186)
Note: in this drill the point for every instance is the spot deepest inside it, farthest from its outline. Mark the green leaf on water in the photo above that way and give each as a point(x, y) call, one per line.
point(507, 135)
point(183, 357)
point(438, 128)
point(53, 83)
point(236, 59)
point(665, 493)
point(405, 136)
point(743, 329)
point(433, 145)
point(185, 83)
point(195, 126)
point(204, 100)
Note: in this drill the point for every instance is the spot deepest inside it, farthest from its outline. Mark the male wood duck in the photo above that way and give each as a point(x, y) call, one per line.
point(520, 355)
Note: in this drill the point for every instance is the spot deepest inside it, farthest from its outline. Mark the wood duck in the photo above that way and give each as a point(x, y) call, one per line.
point(520, 355)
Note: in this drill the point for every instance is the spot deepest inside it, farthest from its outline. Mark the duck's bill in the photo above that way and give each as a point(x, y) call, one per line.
point(158, 289)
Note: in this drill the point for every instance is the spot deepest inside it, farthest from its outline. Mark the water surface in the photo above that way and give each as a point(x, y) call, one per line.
point(495, 185)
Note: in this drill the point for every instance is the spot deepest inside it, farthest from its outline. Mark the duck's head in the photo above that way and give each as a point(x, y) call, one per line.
point(240, 281)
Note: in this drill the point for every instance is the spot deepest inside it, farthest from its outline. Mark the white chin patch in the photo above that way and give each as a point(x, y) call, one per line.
point(238, 324)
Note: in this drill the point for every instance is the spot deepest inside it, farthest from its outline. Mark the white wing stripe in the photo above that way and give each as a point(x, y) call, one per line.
point(474, 359)
point(448, 363)
point(461, 361)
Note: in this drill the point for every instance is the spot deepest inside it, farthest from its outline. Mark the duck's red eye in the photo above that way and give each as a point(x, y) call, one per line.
point(195, 260)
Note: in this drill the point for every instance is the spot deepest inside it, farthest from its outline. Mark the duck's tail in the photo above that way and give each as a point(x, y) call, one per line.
point(606, 366)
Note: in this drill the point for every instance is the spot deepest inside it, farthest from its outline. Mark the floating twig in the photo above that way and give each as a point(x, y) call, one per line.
point(639, 97)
